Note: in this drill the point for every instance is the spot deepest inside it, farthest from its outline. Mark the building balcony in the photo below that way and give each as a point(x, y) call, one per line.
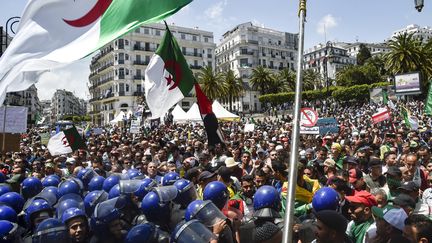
point(195, 66)
point(138, 93)
point(101, 54)
point(141, 62)
point(138, 77)
point(140, 48)
point(192, 54)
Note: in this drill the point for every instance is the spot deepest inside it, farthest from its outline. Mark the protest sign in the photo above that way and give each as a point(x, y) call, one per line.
point(327, 125)
point(13, 119)
point(249, 127)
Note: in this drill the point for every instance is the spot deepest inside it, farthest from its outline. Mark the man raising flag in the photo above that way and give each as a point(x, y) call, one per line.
point(168, 79)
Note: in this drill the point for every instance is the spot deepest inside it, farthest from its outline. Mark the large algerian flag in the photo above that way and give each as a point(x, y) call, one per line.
point(55, 32)
point(168, 78)
point(65, 142)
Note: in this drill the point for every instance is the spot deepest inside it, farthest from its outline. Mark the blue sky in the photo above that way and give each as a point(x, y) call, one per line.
point(344, 20)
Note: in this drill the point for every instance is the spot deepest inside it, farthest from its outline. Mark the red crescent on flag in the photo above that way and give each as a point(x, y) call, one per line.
point(177, 72)
point(91, 16)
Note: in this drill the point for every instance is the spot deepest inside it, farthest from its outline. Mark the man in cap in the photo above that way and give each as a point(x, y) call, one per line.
point(375, 178)
point(406, 202)
point(204, 178)
point(350, 162)
point(393, 178)
point(329, 171)
point(330, 227)
point(389, 224)
point(360, 205)
point(336, 154)
point(410, 188)
point(356, 179)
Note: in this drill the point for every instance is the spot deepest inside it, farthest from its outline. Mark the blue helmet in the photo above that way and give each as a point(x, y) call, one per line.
point(139, 188)
point(13, 200)
point(154, 208)
point(36, 206)
point(186, 192)
point(266, 202)
point(50, 180)
point(114, 192)
point(191, 231)
point(69, 201)
point(8, 213)
point(68, 186)
point(217, 192)
point(92, 199)
point(8, 231)
point(207, 213)
point(192, 208)
point(5, 188)
point(72, 213)
point(169, 178)
point(106, 212)
point(146, 232)
point(51, 189)
point(85, 175)
point(51, 230)
point(96, 183)
point(325, 198)
point(133, 173)
point(147, 185)
point(30, 187)
point(110, 182)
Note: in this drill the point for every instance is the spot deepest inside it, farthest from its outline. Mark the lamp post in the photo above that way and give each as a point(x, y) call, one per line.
point(8, 28)
point(329, 53)
point(419, 4)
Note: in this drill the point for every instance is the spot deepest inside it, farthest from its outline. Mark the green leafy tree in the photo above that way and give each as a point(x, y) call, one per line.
point(261, 79)
point(312, 79)
point(379, 63)
point(405, 54)
point(286, 80)
point(357, 75)
point(363, 55)
point(211, 83)
point(234, 86)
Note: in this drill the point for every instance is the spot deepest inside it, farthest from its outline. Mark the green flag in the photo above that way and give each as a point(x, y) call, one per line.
point(385, 96)
point(405, 115)
point(428, 106)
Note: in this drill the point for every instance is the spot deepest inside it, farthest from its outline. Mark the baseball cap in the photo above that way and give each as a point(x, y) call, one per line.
point(260, 150)
point(205, 175)
point(362, 197)
point(396, 218)
point(403, 200)
point(354, 175)
point(330, 163)
point(351, 160)
point(70, 161)
point(374, 162)
point(379, 212)
point(279, 147)
point(409, 186)
point(394, 171)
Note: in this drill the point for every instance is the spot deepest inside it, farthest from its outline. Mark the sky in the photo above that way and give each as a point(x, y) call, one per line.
point(334, 20)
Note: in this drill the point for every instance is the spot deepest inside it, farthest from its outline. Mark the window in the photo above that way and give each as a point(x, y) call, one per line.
point(183, 36)
point(205, 39)
point(127, 87)
point(194, 38)
point(185, 103)
point(146, 31)
point(158, 33)
point(137, 30)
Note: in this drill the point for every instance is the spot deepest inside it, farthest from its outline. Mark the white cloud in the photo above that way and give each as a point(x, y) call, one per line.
point(258, 23)
point(73, 77)
point(215, 11)
point(326, 23)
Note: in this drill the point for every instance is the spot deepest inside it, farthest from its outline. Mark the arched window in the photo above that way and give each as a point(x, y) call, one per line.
point(124, 105)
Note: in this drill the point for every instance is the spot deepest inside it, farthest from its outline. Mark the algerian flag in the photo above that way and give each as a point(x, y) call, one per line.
point(65, 142)
point(410, 121)
point(168, 78)
point(55, 32)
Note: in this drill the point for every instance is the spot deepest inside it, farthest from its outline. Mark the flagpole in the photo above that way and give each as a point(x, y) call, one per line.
point(292, 180)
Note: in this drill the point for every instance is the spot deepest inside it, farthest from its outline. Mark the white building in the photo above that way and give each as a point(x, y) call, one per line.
point(65, 103)
point(117, 71)
point(327, 59)
point(28, 98)
point(374, 48)
point(247, 46)
point(420, 33)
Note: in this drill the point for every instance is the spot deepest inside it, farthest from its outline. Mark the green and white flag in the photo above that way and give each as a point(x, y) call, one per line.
point(168, 78)
point(385, 96)
point(57, 32)
point(65, 142)
point(428, 105)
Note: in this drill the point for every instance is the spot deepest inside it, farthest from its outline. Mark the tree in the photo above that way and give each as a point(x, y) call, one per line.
point(357, 75)
point(312, 79)
point(379, 63)
point(363, 55)
point(261, 79)
point(211, 83)
point(234, 86)
point(287, 79)
point(405, 55)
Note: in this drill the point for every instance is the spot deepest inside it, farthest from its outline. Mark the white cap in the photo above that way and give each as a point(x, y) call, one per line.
point(396, 218)
point(278, 148)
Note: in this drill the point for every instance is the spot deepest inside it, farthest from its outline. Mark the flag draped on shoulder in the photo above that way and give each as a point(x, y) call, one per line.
point(168, 78)
point(210, 121)
point(56, 32)
point(65, 142)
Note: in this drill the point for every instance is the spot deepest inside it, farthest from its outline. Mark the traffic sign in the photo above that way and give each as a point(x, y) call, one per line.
point(308, 117)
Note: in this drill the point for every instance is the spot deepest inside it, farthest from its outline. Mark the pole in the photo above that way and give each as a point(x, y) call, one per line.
point(4, 128)
point(1, 40)
point(292, 180)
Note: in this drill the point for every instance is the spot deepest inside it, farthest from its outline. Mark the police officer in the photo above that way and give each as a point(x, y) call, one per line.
point(76, 223)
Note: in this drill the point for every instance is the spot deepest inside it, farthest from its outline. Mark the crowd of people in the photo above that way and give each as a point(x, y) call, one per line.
point(367, 183)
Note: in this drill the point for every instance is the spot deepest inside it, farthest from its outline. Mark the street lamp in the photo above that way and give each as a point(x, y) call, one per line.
point(419, 4)
point(9, 27)
point(329, 52)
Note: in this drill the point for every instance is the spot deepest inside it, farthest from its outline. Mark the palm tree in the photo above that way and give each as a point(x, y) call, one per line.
point(405, 54)
point(234, 86)
point(211, 83)
point(312, 79)
point(261, 78)
point(288, 79)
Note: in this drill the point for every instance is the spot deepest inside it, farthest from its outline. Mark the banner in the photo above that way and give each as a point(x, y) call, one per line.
point(327, 125)
point(380, 116)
